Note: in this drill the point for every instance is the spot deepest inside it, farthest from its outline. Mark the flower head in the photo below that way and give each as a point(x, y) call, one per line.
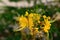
point(22, 22)
point(46, 24)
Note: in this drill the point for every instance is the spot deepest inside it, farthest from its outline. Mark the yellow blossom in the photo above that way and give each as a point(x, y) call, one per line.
point(26, 14)
point(23, 22)
point(36, 16)
point(48, 17)
point(31, 15)
point(44, 16)
point(30, 23)
point(46, 30)
point(46, 24)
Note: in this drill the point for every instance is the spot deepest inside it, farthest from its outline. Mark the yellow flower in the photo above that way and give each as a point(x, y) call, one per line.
point(48, 17)
point(46, 30)
point(44, 16)
point(31, 15)
point(30, 23)
point(26, 14)
point(23, 22)
point(46, 24)
point(36, 16)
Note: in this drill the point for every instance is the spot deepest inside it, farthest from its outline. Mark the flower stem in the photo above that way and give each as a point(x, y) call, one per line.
point(48, 36)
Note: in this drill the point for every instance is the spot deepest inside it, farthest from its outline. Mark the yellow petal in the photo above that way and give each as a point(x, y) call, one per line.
point(26, 13)
point(44, 16)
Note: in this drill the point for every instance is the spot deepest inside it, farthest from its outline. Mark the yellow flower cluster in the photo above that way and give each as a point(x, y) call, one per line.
point(30, 21)
point(46, 23)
